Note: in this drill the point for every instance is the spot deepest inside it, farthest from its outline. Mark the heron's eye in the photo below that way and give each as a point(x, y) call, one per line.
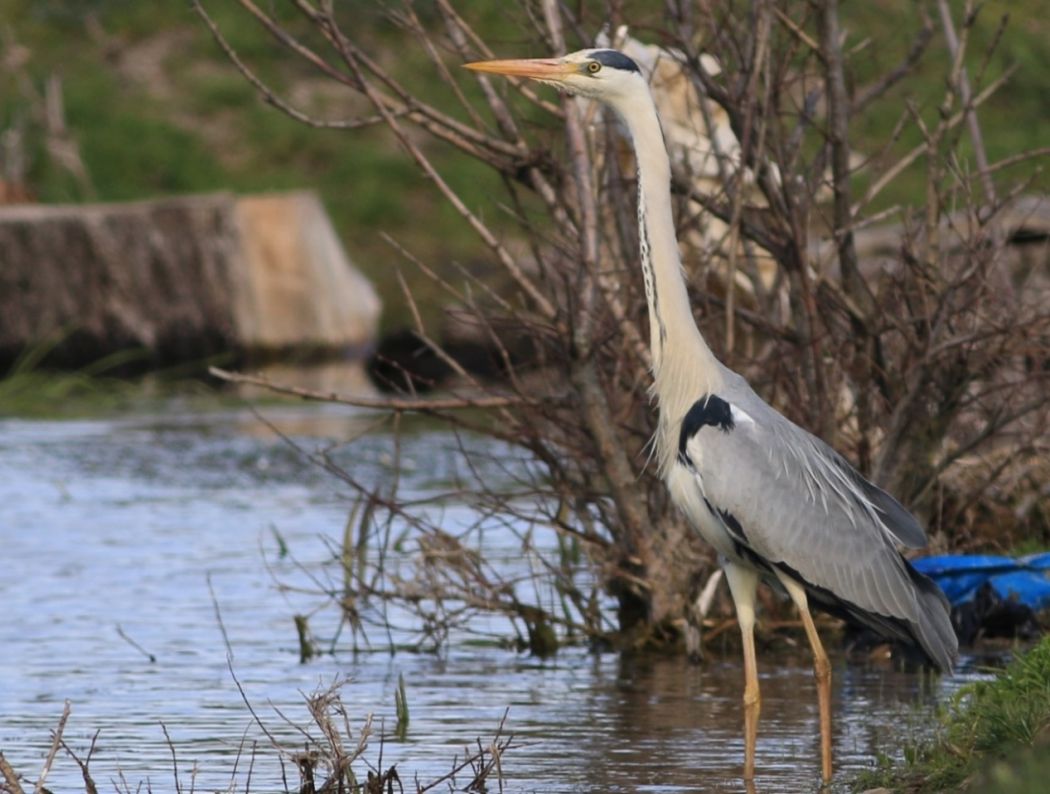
point(594, 67)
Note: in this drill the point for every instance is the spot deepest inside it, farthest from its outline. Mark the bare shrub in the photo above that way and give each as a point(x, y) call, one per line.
point(919, 349)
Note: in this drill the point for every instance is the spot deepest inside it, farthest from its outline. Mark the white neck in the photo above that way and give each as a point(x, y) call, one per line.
point(684, 368)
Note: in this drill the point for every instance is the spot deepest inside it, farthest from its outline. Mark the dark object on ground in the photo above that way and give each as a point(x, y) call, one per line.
point(862, 644)
point(987, 615)
point(992, 597)
point(404, 362)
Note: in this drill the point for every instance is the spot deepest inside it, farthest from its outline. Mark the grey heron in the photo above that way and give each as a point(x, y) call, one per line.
point(774, 501)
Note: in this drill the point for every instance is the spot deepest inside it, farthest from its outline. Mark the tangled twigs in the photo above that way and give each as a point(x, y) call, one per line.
point(89, 783)
point(482, 763)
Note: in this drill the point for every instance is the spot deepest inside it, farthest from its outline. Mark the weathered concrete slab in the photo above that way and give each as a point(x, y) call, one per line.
point(184, 277)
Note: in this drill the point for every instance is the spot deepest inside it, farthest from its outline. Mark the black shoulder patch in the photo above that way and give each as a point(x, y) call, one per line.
point(615, 60)
point(708, 410)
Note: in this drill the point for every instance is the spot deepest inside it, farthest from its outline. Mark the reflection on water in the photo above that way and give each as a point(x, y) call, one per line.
point(108, 523)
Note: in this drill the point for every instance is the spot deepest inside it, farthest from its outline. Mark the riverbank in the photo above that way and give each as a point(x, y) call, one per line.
point(992, 737)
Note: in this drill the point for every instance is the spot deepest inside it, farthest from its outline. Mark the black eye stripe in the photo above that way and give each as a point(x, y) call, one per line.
point(614, 60)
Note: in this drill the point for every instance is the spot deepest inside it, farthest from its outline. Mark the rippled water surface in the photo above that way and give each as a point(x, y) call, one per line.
point(107, 523)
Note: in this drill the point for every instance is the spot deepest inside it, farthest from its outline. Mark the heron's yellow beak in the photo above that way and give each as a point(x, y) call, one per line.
point(536, 68)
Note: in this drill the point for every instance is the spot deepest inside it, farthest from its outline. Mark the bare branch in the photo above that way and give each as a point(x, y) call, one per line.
point(378, 403)
point(56, 743)
point(269, 96)
point(10, 776)
point(911, 59)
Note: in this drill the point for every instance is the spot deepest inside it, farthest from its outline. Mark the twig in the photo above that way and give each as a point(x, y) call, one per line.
point(1031, 154)
point(891, 173)
point(10, 776)
point(440, 125)
point(270, 96)
point(585, 198)
point(419, 405)
point(894, 76)
point(89, 783)
point(748, 146)
point(974, 126)
point(470, 760)
point(174, 758)
point(251, 710)
point(251, 767)
point(799, 33)
point(542, 303)
point(56, 742)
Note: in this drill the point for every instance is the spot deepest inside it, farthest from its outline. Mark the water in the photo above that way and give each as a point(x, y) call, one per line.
point(107, 523)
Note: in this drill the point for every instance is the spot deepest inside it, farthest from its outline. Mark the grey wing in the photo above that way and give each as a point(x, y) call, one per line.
point(801, 508)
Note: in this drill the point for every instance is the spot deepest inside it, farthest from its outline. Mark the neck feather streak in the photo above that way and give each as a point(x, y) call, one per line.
point(683, 365)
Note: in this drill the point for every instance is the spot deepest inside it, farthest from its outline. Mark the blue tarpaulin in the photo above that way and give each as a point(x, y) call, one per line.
point(1023, 579)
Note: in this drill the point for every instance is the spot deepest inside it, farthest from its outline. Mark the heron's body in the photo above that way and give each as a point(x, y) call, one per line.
point(739, 463)
point(772, 499)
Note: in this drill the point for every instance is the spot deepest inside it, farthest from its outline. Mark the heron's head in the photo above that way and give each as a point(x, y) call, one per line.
point(602, 74)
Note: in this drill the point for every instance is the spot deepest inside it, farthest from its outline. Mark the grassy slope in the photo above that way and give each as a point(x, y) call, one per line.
point(158, 110)
point(164, 112)
point(993, 737)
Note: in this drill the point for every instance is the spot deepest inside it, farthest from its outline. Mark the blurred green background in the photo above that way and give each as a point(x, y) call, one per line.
point(157, 109)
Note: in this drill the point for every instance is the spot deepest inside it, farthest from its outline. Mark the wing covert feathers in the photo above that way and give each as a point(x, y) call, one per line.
point(804, 510)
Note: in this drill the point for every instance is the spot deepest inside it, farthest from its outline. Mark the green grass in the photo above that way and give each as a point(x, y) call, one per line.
point(1023, 772)
point(45, 394)
point(27, 390)
point(30, 388)
point(988, 737)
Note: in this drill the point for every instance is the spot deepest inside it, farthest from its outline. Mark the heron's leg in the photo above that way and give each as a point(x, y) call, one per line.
point(821, 671)
point(743, 582)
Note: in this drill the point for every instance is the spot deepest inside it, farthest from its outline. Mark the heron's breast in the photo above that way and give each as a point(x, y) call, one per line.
point(687, 493)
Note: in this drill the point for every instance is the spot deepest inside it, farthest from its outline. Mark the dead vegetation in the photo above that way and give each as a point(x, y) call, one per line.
point(927, 365)
point(335, 753)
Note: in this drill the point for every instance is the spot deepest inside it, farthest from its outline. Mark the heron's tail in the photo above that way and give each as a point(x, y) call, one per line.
point(934, 631)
